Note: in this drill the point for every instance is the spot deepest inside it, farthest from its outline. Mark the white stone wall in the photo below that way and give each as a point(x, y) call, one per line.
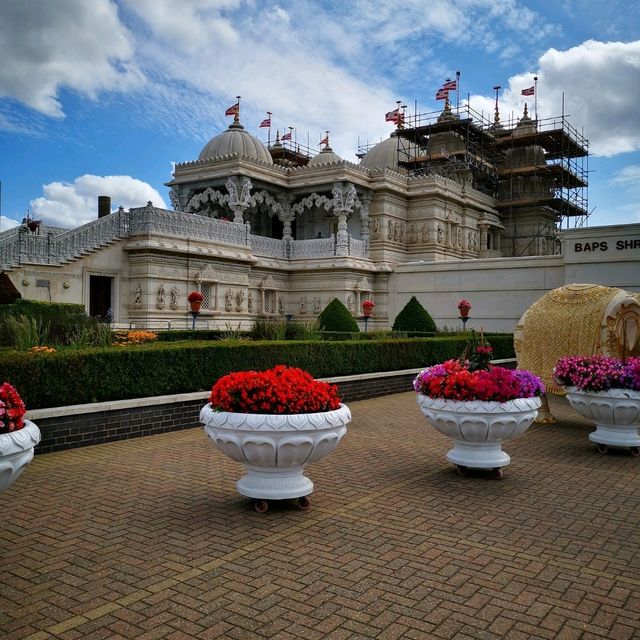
point(502, 289)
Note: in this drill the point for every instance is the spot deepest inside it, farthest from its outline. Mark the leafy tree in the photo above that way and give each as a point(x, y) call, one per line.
point(414, 317)
point(336, 317)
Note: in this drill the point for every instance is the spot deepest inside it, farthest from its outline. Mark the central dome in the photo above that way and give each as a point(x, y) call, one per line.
point(235, 140)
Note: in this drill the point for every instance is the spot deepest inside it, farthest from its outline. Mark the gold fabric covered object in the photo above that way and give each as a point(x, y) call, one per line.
point(577, 319)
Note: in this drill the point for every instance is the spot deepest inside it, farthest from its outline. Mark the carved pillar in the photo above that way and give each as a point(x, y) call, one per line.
point(287, 216)
point(483, 236)
point(239, 196)
point(365, 199)
point(344, 196)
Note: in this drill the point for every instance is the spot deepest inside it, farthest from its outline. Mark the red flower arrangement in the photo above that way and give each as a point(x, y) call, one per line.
point(12, 409)
point(275, 391)
point(195, 296)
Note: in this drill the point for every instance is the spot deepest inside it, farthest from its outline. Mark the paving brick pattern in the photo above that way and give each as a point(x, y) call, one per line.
point(148, 539)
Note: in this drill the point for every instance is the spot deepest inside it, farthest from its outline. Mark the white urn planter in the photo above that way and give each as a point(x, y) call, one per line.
point(616, 413)
point(16, 452)
point(275, 449)
point(478, 428)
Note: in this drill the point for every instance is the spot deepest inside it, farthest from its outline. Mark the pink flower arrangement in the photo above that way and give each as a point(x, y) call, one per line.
point(12, 409)
point(476, 379)
point(452, 380)
point(275, 391)
point(464, 304)
point(598, 373)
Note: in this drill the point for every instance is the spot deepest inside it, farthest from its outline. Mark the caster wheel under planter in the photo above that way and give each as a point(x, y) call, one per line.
point(635, 451)
point(304, 504)
point(462, 470)
point(498, 473)
point(261, 506)
point(603, 448)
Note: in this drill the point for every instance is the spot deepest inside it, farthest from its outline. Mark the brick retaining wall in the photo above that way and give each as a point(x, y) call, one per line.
point(71, 427)
point(84, 425)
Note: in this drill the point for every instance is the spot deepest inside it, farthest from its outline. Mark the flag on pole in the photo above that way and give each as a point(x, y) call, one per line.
point(233, 110)
point(528, 92)
point(286, 136)
point(449, 85)
point(392, 116)
point(265, 123)
point(442, 94)
point(324, 140)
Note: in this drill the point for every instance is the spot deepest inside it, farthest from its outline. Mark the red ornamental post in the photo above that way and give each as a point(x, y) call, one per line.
point(195, 302)
point(367, 308)
point(464, 306)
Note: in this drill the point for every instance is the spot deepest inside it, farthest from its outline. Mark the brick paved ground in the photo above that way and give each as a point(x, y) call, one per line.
point(148, 538)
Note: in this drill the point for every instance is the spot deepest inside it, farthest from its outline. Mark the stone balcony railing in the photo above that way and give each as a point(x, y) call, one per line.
point(53, 246)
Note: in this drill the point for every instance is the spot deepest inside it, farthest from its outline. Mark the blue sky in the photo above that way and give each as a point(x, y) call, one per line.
point(102, 96)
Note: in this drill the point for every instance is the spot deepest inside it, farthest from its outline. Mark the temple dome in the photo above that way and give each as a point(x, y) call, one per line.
point(326, 156)
point(385, 154)
point(235, 140)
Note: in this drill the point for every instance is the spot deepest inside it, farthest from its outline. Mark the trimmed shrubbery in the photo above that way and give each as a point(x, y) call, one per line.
point(414, 317)
point(336, 317)
point(100, 374)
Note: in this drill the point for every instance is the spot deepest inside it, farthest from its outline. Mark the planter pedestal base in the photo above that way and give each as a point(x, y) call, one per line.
point(487, 455)
point(615, 436)
point(274, 484)
point(616, 413)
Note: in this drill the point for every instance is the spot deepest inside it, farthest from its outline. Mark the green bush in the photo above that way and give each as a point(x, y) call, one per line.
point(336, 317)
point(302, 331)
point(100, 374)
point(414, 317)
point(56, 323)
point(269, 329)
point(25, 332)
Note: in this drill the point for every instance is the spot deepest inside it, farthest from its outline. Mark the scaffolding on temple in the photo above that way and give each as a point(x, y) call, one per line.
point(536, 170)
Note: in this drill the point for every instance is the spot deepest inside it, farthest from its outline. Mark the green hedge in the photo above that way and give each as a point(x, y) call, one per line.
point(176, 335)
point(95, 375)
point(373, 335)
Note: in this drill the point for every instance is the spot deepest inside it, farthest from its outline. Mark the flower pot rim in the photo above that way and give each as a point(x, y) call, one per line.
point(274, 422)
point(280, 415)
point(613, 392)
point(21, 439)
point(533, 401)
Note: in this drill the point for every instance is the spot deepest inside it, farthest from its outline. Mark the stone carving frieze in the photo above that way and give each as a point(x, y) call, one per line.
point(313, 200)
point(264, 197)
point(203, 200)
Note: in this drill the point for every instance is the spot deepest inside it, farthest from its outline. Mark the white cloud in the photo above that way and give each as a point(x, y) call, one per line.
point(601, 86)
point(628, 179)
point(72, 204)
point(313, 66)
point(72, 44)
point(7, 223)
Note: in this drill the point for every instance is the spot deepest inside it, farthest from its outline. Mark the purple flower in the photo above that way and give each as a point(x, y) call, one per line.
point(597, 373)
